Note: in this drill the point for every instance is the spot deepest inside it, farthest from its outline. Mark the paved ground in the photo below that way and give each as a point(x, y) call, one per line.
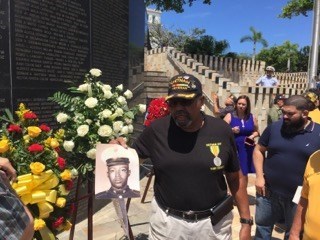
point(106, 225)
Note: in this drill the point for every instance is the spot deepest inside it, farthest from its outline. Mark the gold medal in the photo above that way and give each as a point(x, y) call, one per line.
point(215, 149)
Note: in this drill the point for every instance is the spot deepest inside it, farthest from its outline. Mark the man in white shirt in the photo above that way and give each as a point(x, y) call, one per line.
point(268, 80)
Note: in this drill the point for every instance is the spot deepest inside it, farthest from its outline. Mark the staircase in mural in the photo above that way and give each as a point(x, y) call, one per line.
point(225, 76)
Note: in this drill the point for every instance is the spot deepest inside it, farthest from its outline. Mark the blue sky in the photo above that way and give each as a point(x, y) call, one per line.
point(231, 20)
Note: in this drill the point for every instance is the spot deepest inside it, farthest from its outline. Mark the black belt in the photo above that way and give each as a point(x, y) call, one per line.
point(186, 215)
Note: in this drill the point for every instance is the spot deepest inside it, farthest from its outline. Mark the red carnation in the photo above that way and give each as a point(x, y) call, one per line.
point(45, 127)
point(58, 222)
point(69, 184)
point(61, 163)
point(14, 128)
point(30, 115)
point(35, 148)
point(157, 108)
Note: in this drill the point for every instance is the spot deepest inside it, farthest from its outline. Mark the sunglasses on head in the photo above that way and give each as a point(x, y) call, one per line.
point(182, 101)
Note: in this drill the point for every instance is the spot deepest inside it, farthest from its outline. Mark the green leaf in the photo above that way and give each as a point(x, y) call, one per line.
point(62, 99)
point(8, 117)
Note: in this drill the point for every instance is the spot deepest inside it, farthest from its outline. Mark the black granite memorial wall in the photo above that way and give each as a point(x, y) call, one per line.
point(46, 45)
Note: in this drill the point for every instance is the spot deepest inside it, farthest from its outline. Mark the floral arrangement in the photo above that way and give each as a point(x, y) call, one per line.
point(44, 178)
point(157, 108)
point(92, 113)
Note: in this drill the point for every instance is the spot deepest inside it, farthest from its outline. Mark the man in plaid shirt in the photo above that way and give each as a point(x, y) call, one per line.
point(16, 222)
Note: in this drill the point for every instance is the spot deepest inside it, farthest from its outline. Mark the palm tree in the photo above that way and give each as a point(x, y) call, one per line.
point(256, 37)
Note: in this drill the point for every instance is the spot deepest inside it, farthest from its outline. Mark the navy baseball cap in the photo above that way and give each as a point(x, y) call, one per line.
point(184, 86)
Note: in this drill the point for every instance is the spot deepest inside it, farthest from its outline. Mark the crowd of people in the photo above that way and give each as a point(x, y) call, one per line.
point(189, 148)
point(284, 159)
point(200, 161)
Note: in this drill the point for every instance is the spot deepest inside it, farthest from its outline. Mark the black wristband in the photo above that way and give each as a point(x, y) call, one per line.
point(246, 221)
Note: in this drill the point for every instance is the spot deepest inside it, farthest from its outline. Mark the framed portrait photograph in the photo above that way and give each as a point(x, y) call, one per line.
point(117, 172)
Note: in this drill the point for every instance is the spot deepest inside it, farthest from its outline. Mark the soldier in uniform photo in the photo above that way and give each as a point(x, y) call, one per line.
point(118, 173)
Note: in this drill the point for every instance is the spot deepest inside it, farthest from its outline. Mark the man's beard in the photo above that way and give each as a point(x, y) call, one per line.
point(182, 123)
point(290, 128)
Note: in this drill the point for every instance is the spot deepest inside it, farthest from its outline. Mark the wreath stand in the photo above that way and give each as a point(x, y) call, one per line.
point(90, 195)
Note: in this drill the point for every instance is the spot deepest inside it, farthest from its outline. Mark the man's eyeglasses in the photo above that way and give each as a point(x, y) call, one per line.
point(182, 101)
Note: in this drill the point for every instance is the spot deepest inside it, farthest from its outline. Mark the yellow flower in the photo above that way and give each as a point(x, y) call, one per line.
point(38, 224)
point(26, 139)
point(61, 202)
point(4, 145)
point(37, 167)
point(21, 111)
point(67, 225)
point(60, 133)
point(34, 131)
point(66, 175)
point(62, 190)
point(52, 142)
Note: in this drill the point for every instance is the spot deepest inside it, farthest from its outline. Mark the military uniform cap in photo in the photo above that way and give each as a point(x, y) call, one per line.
point(184, 86)
point(117, 161)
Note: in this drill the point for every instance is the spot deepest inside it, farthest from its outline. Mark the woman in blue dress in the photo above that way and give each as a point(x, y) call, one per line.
point(245, 128)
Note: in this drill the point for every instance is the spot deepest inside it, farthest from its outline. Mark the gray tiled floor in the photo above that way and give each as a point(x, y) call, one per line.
point(106, 225)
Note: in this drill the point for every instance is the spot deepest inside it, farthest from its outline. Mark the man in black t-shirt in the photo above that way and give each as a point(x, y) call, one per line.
point(191, 152)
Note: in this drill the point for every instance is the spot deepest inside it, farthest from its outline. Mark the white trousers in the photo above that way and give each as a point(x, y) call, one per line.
point(163, 226)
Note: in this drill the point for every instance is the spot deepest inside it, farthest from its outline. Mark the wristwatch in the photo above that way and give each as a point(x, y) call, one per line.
point(246, 221)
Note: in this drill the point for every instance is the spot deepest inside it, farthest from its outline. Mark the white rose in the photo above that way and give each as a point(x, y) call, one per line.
point(142, 108)
point(128, 120)
point(125, 130)
point(119, 111)
point(74, 173)
point(105, 131)
point(83, 87)
point(106, 113)
point(82, 130)
point(89, 121)
point(91, 102)
point(95, 72)
point(119, 87)
point(91, 153)
point(106, 87)
point(121, 100)
point(107, 94)
point(68, 146)
point(130, 128)
point(117, 125)
point(62, 117)
point(128, 94)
